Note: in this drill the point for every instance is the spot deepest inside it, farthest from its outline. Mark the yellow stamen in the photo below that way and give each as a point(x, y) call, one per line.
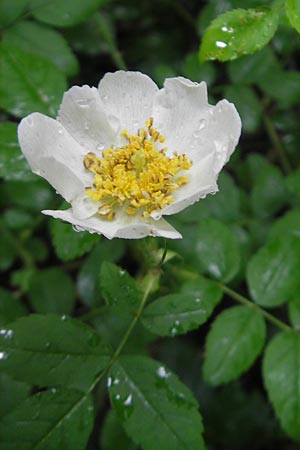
point(137, 176)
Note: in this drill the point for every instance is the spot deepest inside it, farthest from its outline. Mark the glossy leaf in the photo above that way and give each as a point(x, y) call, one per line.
point(247, 104)
point(293, 186)
point(273, 272)
point(294, 311)
point(49, 420)
point(269, 192)
point(253, 68)
point(217, 251)
point(39, 40)
point(194, 70)
point(88, 283)
point(292, 8)
point(113, 435)
point(8, 251)
point(225, 205)
point(12, 393)
point(10, 307)
point(287, 224)
point(118, 288)
point(179, 313)
point(68, 243)
point(34, 196)
point(238, 32)
point(281, 378)
point(17, 218)
point(283, 86)
point(156, 409)
point(10, 11)
point(51, 291)
point(64, 14)
point(28, 83)
point(233, 343)
point(49, 350)
point(13, 165)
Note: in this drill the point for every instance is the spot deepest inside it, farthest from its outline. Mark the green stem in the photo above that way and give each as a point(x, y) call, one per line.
point(93, 313)
point(244, 301)
point(274, 138)
point(188, 275)
point(110, 40)
point(148, 288)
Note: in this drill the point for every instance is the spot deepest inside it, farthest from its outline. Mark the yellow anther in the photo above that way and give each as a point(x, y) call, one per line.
point(137, 176)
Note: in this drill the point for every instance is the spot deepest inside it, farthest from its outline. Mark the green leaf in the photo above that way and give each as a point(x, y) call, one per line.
point(269, 193)
point(64, 14)
point(247, 104)
point(49, 350)
point(13, 165)
point(113, 435)
point(178, 313)
point(294, 311)
point(156, 409)
point(273, 272)
point(217, 250)
point(8, 251)
point(253, 68)
point(87, 38)
point(88, 284)
point(287, 224)
point(293, 186)
point(51, 291)
point(233, 343)
point(194, 70)
point(40, 40)
point(49, 420)
point(283, 86)
point(10, 307)
point(29, 83)
point(292, 8)
point(17, 219)
point(10, 11)
point(12, 393)
point(34, 196)
point(225, 205)
point(118, 288)
point(68, 243)
point(238, 32)
point(281, 377)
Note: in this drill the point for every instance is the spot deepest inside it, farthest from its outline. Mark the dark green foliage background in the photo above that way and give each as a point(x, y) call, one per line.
point(108, 345)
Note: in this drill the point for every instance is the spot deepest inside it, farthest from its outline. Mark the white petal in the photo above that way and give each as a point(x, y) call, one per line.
point(127, 97)
point(202, 181)
point(83, 116)
point(192, 126)
point(53, 154)
point(123, 226)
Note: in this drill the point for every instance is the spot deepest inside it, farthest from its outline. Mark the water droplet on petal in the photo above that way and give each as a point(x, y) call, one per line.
point(83, 103)
point(202, 124)
point(100, 147)
point(77, 228)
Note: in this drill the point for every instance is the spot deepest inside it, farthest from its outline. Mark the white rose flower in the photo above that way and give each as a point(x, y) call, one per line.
point(126, 154)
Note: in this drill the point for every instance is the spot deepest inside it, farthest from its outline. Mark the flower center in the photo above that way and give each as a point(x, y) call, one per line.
point(138, 176)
